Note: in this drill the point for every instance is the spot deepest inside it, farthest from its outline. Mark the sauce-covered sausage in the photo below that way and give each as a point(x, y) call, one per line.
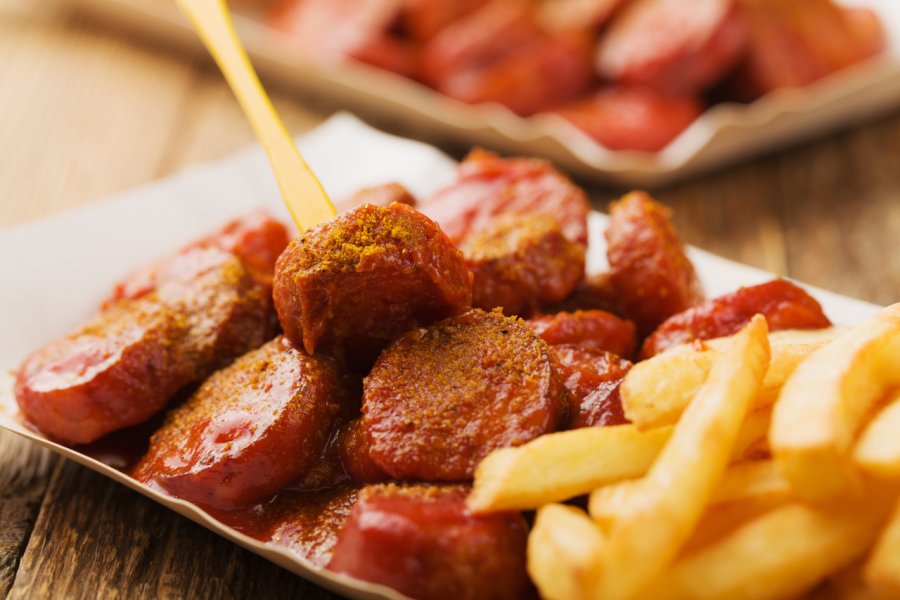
point(593, 379)
point(650, 270)
point(594, 330)
point(439, 399)
point(423, 542)
point(488, 185)
point(351, 285)
point(522, 262)
point(249, 430)
point(256, 239)
point(631, 117)
point(353, 451)
point(664, 45)
point(124, 366)
point(785, 306)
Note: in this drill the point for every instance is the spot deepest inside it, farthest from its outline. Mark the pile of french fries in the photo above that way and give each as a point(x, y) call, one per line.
point(756, 466)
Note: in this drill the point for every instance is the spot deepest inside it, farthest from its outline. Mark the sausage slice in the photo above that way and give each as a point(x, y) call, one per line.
point(424, 543)
point(521, 262)
point(488, 185)
point(785, 306)
point(351, 285)
point(650, 269)
point(123, 366)
point(594, 330)
point(439, 399)
point(249, 430)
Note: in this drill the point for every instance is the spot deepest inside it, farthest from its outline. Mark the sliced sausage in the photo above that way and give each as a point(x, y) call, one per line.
point(439, 399)
point(488, 185)
point(249, 430)
point(632, 118)
point(308, 523)
point(124, 365)
point(785, 306)
point(353, 450)
point(594, 330)
point(593, 379)
point(664, 45)
point(653, 275)
point(256, 239)
point(424, 543)
point(117, 370)
point(479, 38)
point(542, 73)
point(796, 43)
point(330, 31)
point(521, 262)
point(351, 285)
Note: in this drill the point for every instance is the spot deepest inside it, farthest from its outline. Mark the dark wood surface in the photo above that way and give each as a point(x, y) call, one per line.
point(88, 112)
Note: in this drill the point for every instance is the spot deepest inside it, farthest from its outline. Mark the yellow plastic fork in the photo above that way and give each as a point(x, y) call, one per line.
point(301, 190)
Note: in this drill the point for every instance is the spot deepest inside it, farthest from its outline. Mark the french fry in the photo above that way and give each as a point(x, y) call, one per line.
point(530, 476)
point(656, 391)
point(562, 465)
point(742, 482)
point(878, 449)
point(825, 403)
point(675, 492)
point(883, 568)
point(780, 554)
point(564, 552)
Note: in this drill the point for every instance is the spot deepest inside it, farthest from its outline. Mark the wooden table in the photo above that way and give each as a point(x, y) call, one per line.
point(87, 113)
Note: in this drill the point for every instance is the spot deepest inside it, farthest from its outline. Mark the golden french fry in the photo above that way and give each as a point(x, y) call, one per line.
point(562, 465)
point(825, 403)
point(780, 554)
point(564, 552)
point(742, 482)
point(530, 475)
point(883, 568)
point(721, 520)
point(656, 391)
point(675, 492)
point(878, 449)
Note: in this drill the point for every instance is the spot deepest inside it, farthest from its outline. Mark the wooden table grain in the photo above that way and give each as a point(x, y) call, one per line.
point(87, 112)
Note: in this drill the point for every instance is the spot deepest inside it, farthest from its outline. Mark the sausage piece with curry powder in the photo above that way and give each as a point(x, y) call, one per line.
point(439, 399)
point(521, 262)
point(124, 366)
point(650, 269)
point(351, 285)
point(248, 431)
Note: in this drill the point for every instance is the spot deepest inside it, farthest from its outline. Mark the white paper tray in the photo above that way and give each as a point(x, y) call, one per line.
point(724, 134)
point(56, 271)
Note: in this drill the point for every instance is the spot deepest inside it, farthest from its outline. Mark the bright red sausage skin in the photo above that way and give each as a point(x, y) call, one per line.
point(650, 269)
point(439, 399)
point(785, 306)
point(594, 330)
point(123, 366)
point(488, 185)
point(255, 238)
point(667, 46)
point(521, 262)
point(249, 430)
point(593, 379)
point(421, 541)
point(351, 285)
